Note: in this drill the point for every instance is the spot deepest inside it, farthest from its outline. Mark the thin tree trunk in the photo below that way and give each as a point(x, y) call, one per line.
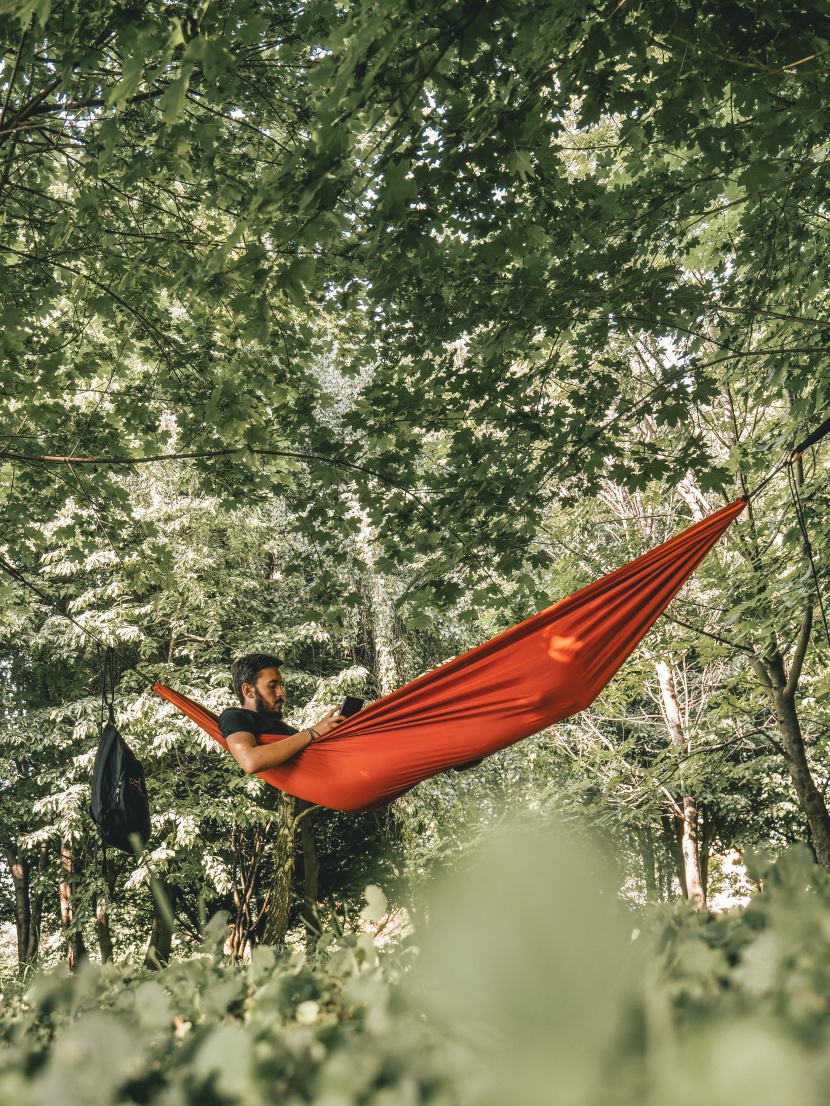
point(381, 612)
point(688, 813)
point(671, 837)
point(706, 837)
point(669, 860)
point(70, 868)
point(248, 851)
point(102, 928)
point(780, 689)
point(161, 934)
point(646, 842)
point(281, 892)
point(311, 875)
point(37, 894)
point(19, 867)
point(691, 853)
point(102, 915)
point(240, 926)
point(781, 686)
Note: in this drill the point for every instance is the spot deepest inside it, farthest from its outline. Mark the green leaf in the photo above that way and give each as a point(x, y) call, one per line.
point(376, 905)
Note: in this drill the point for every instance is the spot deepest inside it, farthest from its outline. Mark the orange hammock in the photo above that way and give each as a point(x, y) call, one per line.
point(549, 667)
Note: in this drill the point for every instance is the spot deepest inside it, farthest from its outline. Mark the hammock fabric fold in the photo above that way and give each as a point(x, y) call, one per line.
point(545, 669)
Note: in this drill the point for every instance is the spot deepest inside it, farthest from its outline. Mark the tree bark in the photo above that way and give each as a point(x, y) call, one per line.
point(646, 842)
point(71, 866)
point(687, 814)
point(18, 864)
point(248, 846)
point(281, 892)
point(102, 928)
point(381, 613)
point(311, 875)
point(161, 934)
point(37, 894)
point(780, 688)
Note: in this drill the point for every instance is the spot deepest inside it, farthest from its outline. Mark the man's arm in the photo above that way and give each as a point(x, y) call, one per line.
point(256, 758)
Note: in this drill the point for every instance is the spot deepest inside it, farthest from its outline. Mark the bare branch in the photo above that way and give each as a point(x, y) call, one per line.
point(715, 637)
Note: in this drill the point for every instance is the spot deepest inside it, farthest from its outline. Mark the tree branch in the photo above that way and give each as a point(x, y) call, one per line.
point(15, 68)
point(800, 653)
point(715, 637)
point(824, 323)
point(761, 673)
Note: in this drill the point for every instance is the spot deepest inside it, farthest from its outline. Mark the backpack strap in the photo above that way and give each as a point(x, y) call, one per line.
point(108, 681)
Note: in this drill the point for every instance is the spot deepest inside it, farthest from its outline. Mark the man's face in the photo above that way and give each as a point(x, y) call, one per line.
point(268, 690)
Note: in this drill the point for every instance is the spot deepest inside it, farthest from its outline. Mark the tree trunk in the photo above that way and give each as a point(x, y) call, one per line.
point(311, 876)
point(646, 842)
point(102, 916)
point(102, 928)
point(70, 868)
point(281, 892)
point(707, 834)
point(161, 934)
point(671, 838)
point(248, 846)
point(37, 895)
point(669, 860)
point(781, 686)
point(687, 816)
point(19, 868)
point(780, 689)
point(381, 612)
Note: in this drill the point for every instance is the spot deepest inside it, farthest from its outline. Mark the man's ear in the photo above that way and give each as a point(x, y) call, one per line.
point(248, 690)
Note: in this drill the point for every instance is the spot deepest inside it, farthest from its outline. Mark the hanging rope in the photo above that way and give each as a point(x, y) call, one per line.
point(109, 681)
point(802, 523)
point(811, 439)
point(110, 654)
point(785, 460)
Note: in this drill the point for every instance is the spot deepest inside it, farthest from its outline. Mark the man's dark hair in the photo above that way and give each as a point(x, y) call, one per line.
point(246, 669)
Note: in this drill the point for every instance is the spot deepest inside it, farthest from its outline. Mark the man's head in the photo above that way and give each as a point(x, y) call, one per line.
point(257, 681)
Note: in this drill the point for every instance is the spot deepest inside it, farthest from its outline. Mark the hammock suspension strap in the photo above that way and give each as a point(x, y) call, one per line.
point(795, 494)
point(109, 681)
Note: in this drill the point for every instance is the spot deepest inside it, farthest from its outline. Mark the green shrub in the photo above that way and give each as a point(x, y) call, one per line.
point(533, 983)
point(203, 1031)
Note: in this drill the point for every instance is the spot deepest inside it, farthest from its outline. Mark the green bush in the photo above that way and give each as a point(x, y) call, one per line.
point(203, 1031)
point(533, 983)
point(565, 994)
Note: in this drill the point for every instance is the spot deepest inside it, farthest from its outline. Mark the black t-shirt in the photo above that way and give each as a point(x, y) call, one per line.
point(252, 721)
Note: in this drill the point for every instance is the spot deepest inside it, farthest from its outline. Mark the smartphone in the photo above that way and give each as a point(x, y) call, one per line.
point(350, 705)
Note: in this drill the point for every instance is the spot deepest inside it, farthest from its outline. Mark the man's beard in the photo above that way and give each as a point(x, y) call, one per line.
point(261, 705)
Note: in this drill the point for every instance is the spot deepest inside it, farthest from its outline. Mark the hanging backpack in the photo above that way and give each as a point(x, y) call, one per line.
point(119, 806)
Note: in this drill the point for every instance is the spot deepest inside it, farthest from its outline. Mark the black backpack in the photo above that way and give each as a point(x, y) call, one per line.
point(119, 806)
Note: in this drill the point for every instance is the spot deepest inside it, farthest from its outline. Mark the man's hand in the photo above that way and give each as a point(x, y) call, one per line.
point(328, 722)
point(253, 757)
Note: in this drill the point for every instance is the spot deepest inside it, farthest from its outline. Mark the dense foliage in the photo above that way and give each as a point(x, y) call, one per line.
point(358, 332)
point(512, 990)
point(534, 224)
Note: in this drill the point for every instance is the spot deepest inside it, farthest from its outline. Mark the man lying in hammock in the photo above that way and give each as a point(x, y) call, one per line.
point(258, 684)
